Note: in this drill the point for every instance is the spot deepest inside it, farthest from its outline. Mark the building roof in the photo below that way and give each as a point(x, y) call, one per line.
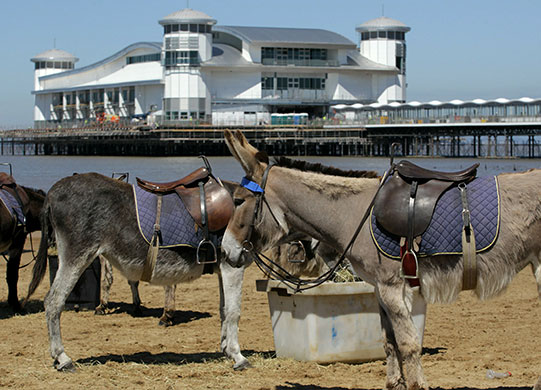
point(54, 55)
point(226, 56)
point(187, 15)
point(154, 46)
point(280, 35)
point(383, 23)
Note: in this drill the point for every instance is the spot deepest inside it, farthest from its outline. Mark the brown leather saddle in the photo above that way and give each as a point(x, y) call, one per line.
point(7, 183)
point(205, 197)
point(422, 188)
point(405, 204)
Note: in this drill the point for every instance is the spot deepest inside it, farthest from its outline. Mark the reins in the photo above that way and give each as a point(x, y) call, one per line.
point(295, 283)
point(31, 249)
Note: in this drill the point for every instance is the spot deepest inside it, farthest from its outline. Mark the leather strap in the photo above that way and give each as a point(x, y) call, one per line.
point(469, 276)
point(152, 254)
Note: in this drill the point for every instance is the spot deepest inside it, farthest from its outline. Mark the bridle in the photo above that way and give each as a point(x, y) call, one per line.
point(275, 270)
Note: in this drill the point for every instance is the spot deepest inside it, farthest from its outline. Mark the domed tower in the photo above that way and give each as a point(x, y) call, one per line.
point(187, 41)
point(50, 62)
point(383, 40)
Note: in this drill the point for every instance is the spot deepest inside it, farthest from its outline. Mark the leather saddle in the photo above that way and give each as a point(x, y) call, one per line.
point(406, 202)
point(205, 197)
point(7, 183)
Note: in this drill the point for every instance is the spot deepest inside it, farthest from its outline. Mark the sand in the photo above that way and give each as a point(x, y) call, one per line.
point(119, 351)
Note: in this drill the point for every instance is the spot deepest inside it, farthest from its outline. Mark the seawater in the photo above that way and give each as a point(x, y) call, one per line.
point(43, 171)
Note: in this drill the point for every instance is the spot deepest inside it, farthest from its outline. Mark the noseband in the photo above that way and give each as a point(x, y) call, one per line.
point(259, 191)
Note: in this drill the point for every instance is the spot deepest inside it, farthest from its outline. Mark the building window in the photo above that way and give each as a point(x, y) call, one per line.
point(267, 83)
point(193, 28)
point(365, 36)
point(143, 58)
point(184, 27)
point(294, 56)
point(173, 58)
point(373, 34)
point(391, 35)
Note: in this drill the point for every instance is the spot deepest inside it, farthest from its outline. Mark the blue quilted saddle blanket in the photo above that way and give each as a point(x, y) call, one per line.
point(13, 205)
point(443, 235)
point(177, 226)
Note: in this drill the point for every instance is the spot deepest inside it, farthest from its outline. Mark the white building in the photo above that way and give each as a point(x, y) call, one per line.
point(226, 75)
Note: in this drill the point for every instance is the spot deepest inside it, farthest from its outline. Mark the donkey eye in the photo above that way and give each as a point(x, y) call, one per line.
point(238, 201)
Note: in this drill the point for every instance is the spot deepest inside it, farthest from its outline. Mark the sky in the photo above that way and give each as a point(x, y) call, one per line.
point(460, 49)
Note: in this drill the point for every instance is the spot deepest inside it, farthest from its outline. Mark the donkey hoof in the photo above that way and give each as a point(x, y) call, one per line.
point(65, 367)
point(99, 310)
point(242, 365)
point(165, 322)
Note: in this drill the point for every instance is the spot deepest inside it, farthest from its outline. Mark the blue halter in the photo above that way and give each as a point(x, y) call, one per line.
point(251, 185)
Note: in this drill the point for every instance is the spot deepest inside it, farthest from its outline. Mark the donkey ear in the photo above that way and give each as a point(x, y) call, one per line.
point(244, 153)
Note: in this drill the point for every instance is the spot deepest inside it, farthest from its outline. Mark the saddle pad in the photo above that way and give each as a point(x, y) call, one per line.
point(444, 233)
point(12, 205)
point(177, 226)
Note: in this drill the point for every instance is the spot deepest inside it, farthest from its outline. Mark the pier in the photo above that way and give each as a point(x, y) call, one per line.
point(511, 139)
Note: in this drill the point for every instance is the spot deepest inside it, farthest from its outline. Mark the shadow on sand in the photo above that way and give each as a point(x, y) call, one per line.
point(148, 358)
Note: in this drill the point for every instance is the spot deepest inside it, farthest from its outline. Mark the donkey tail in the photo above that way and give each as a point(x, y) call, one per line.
point(40, 266)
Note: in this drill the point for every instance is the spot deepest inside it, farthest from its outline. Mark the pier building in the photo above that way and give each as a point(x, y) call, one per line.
point(216, 74)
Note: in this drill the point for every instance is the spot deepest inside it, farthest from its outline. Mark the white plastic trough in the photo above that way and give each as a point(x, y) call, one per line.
point(333, 322)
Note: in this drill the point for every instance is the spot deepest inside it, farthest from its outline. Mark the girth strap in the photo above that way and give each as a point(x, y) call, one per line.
point(152, 254)
point(469, 278)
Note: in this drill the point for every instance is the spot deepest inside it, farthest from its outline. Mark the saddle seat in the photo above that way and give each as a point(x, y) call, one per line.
point(207, 200)
point(165, 188)
point(411, 171)
point(406, 202)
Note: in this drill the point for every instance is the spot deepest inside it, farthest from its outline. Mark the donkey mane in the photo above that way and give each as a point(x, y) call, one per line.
point(305, 166)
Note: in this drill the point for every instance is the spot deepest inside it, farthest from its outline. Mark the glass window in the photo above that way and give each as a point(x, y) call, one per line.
point(365, 36)
point(202, 115)
point(183, 27)
point(400, 35)
point(202, 28)
point(49, 64)
point(382, 34)
point(373, 34)
point(281, 83)
point(391, 34)
point(208, 29)
point(193, 27)
point(167, 29)
point(183, 115)
point(267, 83)
point(174, 28)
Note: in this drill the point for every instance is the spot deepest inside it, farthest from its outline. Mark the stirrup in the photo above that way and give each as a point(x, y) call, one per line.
point(201, 243)
point(402, 274)
point(296, 244)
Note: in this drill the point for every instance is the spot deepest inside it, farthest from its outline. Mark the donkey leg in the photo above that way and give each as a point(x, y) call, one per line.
point(397, 305)
point(395, 374)
point(169, 306)
point(64, 281)
point(230, 301)
point(134, 286)
point(12, 271)
point(106, 283)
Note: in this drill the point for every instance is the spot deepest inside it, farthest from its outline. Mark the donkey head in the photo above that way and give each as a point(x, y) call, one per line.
point(258, 222)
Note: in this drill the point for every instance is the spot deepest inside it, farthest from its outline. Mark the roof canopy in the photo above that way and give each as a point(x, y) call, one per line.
point(435, 103)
